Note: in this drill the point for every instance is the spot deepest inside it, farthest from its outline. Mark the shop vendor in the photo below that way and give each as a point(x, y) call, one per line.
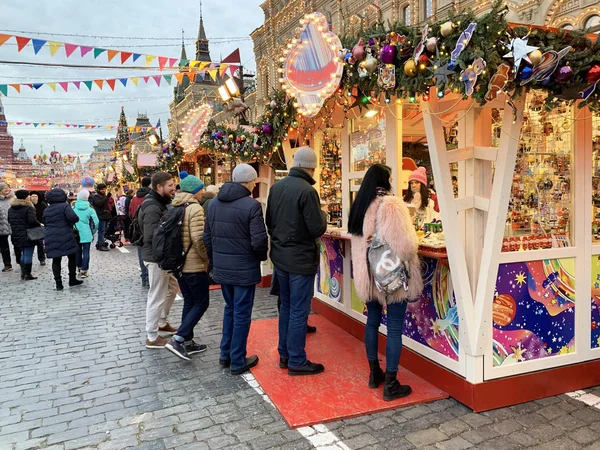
point(420, 197)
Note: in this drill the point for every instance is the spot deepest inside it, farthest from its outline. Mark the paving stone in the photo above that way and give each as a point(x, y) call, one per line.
point(507, 426)
point(454, 427)
point(456, 443)
point(362, 441)
point(585, 436)
point(426, 437)
point(219, 442)
point(563, 443)
point(475, 420)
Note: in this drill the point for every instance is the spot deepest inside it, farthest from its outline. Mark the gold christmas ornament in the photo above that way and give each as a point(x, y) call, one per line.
point(369, 64)
point(447, 28)
point(410, 68)
point(535, 57)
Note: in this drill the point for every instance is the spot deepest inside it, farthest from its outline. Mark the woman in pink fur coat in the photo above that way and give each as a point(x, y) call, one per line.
point(395, 227)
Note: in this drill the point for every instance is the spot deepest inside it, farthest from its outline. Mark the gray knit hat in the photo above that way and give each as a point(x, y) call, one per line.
point(244, 173)
point(305, 158)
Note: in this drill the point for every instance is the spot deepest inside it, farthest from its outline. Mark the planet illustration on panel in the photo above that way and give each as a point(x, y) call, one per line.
point(504, 309)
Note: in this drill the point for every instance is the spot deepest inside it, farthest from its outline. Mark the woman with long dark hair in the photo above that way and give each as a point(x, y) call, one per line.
point(377, 211)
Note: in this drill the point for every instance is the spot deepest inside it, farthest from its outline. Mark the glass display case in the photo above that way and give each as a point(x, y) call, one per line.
point(331, 175)
point(367, 145)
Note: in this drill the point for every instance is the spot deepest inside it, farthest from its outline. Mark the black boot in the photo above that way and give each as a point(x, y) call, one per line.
point(73, 281)
point(23, 271)
point(376, 377)
point(59, 285)
point(28, 275)
point(393, 389)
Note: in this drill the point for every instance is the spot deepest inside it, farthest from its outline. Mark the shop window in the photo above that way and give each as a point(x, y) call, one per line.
point(566, 26)
point(592, 21)
point(428, 8)
point(406, 14)
point(367, 144)
point(331, 175)
point(540, 208)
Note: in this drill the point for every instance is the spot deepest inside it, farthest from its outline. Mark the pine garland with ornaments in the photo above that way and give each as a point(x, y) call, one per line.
point(171, 157)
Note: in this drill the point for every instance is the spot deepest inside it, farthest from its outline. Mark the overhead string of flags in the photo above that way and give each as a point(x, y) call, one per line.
point(80, 126)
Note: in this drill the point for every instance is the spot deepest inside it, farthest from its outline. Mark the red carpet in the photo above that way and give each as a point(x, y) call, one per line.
point(338, 393)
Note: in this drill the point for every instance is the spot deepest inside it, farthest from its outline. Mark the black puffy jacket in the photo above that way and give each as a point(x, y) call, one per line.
point(21, 216)
point(59, 219)
point(153, 208)
point(100, 204)
point(235, 236)
point(295, 222)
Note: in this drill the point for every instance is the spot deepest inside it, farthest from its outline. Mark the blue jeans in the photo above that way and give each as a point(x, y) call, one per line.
point(101, 228)
point(296, 292)
point(237, 316)
point(27, 255)
point(395, 324)
point(194, 288)
point(83, 256)
point(143, 267)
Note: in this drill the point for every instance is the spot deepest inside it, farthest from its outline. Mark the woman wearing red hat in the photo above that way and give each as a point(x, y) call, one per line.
point(419, 196)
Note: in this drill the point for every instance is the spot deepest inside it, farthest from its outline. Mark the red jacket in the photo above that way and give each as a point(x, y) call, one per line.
point(136, 201)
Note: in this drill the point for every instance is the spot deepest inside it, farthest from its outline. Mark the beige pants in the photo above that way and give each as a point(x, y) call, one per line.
point(163, 288)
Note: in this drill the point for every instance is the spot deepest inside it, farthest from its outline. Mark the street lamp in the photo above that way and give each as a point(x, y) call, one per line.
point(153, 139)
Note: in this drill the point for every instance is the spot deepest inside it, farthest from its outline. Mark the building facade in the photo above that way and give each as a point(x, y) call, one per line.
point(101, 156)
point(349, 17)
point(16, 163)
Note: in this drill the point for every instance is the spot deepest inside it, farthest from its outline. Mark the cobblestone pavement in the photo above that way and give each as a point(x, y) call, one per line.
point(74, 374)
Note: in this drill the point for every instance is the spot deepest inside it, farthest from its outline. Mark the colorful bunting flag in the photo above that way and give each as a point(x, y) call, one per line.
point(134, 80)
point(162, 61)
point(157, 79)
point(4, 89)
point(111, 83)
point(112, 54)
point(69, 49)
point(173, 61)
point(136, 56)
point(98, 52)
point(213, 74)
point(36, 86)
point(146, 79)
point(85, 50)
point(99, 83)
point(125, 56)
point(52, 86)
point(64, 85)
point(179, 77)
point(4, 38)
point(149, 59)
point(222, 69)
point(123, 81)
point(168, 78)
point(37, 45)
point(77, 84)
point(22, 42)
point(88, 84)
point(54, 46)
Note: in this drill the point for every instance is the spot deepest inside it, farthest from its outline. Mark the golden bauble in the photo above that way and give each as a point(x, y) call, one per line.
point(447, 28)
point(410, 68)
point(535, 57)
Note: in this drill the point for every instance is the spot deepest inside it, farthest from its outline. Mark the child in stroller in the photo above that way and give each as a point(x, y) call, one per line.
point(115, 231)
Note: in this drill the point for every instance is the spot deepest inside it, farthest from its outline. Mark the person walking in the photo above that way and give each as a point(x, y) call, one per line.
point(295, 222)
point(100, 203)
point(193, 281)
point(163, 285)
point(59, 218)
point(6, 196)
point(134, 205)
point(209, 193)
point(375, 212)
point(87, 216)
point(40, 206)
point(236, 242)
point(128, 218)
point(21, 216)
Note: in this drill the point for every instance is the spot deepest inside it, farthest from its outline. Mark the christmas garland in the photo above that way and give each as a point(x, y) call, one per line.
point(171, 157)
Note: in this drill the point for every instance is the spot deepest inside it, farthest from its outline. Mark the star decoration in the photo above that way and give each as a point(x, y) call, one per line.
point(553, 302)
point(598, 341)
point(518, 351)
point(520, 279)
point(549, 350)
point(519, 51)
point(563, 350)
point(435, 327)
point(441, 73)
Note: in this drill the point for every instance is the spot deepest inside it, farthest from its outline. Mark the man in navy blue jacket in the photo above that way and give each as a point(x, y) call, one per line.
point(236, 241)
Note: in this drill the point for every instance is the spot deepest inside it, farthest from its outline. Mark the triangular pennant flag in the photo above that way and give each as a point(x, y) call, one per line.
point(194, 64)
point(87, 127)
point(204, 65)
point(223, 68)
point(35, 124)
point(4, 89)
point(138, 128)
point(69, 49)
point(99, 83)
point(22, 42)
point(125, 56)
point(64, 85)
point(85, 50)
point(36, 86)
point(17, 87)
point(149, 59)
point(98, 52)
point(145, 79)
point(213, 74)
point(80, 126)
point(88, 84)
point(27, 124)
point(136, 56)
point(183, 62)
point(233, 58)
point(67, 125)
point(134, 80)
point(233, 69)
point(168, 78)
point(157, 79)
point(29, 85)
point(172, 61)
point(179, 77)
point(37, 45)
point(201, 74)
point(43, 124)
point(111, 83)
point(190, 75)
point(108, 127)
point(59, 125)
point(77, 84)
point(123, 81)
point(112, 54)
point(4, 38)
point(162, 61)
point(54, 46)
point(52, 86)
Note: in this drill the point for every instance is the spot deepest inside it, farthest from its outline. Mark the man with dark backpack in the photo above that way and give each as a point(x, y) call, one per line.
point(135, 231)
point(163, 285)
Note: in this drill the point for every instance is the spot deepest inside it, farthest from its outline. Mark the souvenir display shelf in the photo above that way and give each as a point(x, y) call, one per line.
point(331, 176)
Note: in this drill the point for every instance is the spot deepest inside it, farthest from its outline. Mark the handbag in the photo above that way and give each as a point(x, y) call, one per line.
point(76, 234)
point(36, 234)
point(92, 226)
point(386, 268)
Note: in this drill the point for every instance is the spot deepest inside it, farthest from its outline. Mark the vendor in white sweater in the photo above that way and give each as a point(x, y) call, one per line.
point(418, 195)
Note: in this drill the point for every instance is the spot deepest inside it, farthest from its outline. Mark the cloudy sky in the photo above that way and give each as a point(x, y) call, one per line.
point(112, 24)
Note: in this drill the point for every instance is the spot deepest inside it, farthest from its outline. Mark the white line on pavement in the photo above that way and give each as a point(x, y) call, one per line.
point(588, 399)
point(318, 435)
point(122, 249)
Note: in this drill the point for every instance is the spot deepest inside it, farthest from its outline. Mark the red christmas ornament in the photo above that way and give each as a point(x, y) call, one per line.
point(424, 59)
point(593, 74)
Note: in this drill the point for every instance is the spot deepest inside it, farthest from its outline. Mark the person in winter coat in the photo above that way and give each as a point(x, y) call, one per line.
point(420, 197)
point(40, 206)
point(210, 193)
point(100, 203)
point(295, 222)
point(193, 281)
point(6, 196)
point(59, 218)
point(376, 212)
point(136, 202)
point(163, 285)
point(128, 218)
point(21, 216)
point(236, 242)
point(86, 216)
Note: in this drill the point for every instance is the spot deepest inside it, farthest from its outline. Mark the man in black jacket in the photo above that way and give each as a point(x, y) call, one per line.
point(236, 242)
point(100, 203)
point(295, 222)
point(163, 285)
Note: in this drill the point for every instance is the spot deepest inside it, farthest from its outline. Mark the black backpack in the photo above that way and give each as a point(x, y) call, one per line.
point(136, 237)
point(167, 244)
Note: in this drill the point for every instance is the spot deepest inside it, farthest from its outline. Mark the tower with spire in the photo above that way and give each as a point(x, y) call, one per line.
point(6, 140)
point(202, 51)
point(122, 138)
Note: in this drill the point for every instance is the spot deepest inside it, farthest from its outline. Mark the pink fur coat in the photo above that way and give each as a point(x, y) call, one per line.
point(396, 229)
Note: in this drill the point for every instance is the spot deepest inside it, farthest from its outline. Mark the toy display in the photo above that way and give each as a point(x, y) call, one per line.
point(331, 176)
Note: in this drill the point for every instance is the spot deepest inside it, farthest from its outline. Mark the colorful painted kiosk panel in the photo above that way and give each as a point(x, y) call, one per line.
point(595, 301)
point(330, 277)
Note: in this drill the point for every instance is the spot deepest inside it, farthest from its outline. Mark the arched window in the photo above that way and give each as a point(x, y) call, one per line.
point(566, 26)
point(592, 21)
point(406, 15)
point(428, 8)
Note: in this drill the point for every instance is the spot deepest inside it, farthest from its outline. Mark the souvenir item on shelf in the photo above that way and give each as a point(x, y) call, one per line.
point(331, 177)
